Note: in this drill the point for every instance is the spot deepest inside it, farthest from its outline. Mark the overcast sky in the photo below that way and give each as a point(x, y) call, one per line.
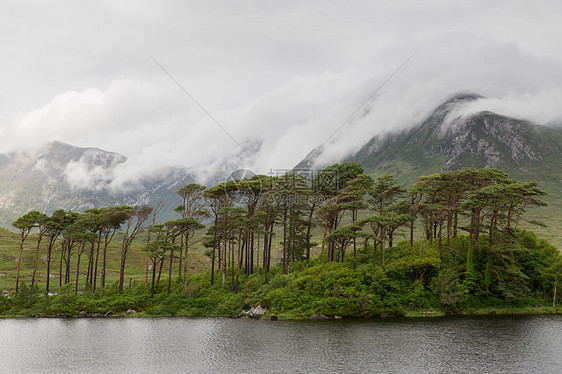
point(283, 74)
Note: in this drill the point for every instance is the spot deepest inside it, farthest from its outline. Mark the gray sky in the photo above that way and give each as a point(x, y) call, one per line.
point(284, 74)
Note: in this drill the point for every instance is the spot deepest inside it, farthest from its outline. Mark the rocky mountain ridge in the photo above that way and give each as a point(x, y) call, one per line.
point(59, 175)
point(448, 140)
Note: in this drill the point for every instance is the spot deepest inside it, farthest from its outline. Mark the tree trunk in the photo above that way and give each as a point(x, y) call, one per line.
point(251, 253)
point(439, 238)
point(214, 252)
point(146, 264)
point(258, 258)
point(182, 246)
point(269, 247)
point(265, 246)
point(285, 249)
point(78, 267)
point(225, 239)
point(323, 240)
point(232, 263)
point(18, 269)
point(122, 270)
point(67, 271)
point(290, 239)
point(308, 228)
point(96, 264)
point(36, 261)
point(103, 267)
point(49, 250)
point(185, 265)
point(170, 270)
point(244, 256)
point(160, 272)
point(89, 274)
point(235, 284)
point(60, 264)
point(153, 277)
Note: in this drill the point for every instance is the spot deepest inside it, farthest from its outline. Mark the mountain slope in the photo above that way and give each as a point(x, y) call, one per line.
point(481, 140)
point(447, 141)
point(63, 176)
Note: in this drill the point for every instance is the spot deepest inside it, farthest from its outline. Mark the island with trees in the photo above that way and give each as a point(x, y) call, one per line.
point(337, 244)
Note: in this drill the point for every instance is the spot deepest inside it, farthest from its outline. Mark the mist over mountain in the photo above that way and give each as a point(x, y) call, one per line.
point(59, 175)
point(449, 139)
point(454, 136)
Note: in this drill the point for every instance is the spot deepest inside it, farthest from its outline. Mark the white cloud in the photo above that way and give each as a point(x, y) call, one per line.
point(541, 106)
point(94, 170)
point(281, 75)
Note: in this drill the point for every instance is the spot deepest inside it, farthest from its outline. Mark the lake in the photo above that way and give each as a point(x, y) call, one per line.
point(488, 344)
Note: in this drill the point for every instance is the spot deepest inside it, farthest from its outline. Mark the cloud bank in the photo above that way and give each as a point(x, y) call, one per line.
point(279, 79)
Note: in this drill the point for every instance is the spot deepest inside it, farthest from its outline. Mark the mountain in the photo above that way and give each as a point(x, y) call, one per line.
point(446, 140)
point(60, 175)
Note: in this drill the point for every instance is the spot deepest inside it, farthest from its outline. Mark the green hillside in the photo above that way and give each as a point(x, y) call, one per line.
point(525, 151)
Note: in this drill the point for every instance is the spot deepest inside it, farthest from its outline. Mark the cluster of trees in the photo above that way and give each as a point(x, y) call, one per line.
point(247, 217)
point(268, 208)
point(71, 233)
point(165, 244)
point(355, 210)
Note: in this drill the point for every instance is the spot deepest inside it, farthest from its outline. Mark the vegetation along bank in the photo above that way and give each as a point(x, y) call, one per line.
point(342, 244)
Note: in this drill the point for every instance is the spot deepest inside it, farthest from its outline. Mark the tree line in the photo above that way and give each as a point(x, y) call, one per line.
point(477, 201)
point(246, 217)
point(90, 233)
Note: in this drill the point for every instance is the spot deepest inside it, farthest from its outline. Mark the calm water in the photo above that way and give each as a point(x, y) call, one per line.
point(203, 345)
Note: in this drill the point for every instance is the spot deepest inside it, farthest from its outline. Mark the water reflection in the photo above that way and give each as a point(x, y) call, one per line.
point(453, 345)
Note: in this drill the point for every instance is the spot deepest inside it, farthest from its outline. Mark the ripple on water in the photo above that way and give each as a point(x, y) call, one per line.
point(205, 345)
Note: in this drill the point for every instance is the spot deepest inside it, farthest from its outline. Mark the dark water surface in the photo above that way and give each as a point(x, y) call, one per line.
point(491, 344)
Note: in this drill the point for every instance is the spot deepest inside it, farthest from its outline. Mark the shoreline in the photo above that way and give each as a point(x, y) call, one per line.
point(273, 317)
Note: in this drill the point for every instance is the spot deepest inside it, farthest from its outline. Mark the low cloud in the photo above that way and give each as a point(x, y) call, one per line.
point(279, 79)
point(94, 170)
point(541, 107)
point(158, 128)
point(514, 83)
